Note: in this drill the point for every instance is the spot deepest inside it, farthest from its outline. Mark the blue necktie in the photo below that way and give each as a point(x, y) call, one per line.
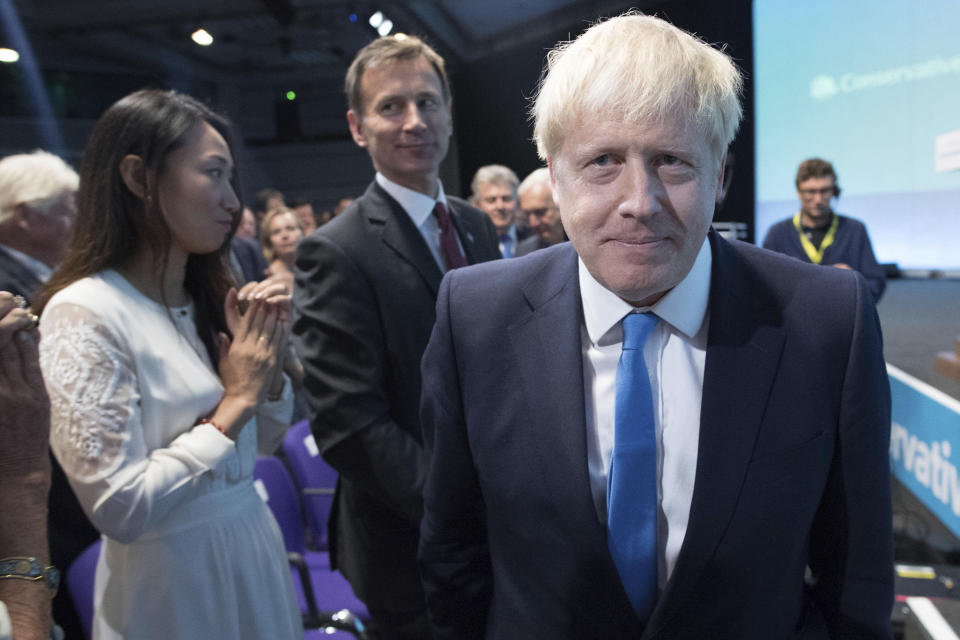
point(632, 479)
point(506, 246)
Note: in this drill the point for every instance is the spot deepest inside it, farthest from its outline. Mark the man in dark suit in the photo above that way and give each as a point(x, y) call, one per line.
point(366, 287)
point(707, 394)
point(37, 193)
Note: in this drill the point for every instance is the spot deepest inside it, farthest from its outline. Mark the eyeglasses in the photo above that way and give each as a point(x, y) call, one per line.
point(540, 213)
point(826, 191)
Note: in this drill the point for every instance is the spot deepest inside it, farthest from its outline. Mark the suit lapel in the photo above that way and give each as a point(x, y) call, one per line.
point(468, 232)
point(545, 345)
point(743, 351)
point(400, 234)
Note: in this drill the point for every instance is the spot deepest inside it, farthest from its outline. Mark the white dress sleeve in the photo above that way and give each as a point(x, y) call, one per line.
point(97, 435)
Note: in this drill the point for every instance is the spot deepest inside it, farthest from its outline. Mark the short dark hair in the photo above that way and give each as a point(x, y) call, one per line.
point(816, 168)
point(263, 197)
point(396, 47)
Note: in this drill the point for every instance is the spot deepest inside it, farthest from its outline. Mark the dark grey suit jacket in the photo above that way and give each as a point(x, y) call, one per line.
point(529, 245)
point(16, 278)
point(364, 299)
point(793, 466)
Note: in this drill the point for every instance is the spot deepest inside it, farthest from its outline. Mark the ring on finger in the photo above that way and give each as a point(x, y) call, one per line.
point(34, 322)
point(20, 301)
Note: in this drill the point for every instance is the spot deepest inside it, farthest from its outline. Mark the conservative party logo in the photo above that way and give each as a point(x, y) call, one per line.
point(823, 87)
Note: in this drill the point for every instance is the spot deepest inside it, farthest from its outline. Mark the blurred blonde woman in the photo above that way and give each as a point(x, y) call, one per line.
point(280, 235)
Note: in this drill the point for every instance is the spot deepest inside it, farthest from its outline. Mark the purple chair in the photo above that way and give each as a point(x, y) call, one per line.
point(80, 579)
point(312, 575)
point(316, 479)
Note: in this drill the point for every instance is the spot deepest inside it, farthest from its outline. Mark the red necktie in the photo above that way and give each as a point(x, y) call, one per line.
point(449, 247)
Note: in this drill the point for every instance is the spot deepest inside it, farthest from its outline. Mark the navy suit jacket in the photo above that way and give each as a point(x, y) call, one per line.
point(364, 299)
point(792, 472)
point(16, 278)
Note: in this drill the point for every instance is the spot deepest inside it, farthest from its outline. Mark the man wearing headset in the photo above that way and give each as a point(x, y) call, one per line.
point(819, 235)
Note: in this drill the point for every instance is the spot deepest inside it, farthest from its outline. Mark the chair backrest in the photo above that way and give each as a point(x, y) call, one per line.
point(275, 486)
point(315, 478)
point(80, 580)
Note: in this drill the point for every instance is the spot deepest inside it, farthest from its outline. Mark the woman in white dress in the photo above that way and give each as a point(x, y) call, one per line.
point(162, 388)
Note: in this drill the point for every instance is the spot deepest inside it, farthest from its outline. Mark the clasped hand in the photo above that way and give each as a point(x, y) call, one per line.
point(251, 362)
point(24, 405)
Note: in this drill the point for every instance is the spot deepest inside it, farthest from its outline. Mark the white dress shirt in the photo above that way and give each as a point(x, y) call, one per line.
point(675, 354)
point(420, 209)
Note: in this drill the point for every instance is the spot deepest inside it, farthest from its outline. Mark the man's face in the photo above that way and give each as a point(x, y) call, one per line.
point(543, 216)
point(499, 202)
point(637, 201)
point(248, 225)
point(405, 123)
point(50, 226)
point(815, 195)
point(305, 215)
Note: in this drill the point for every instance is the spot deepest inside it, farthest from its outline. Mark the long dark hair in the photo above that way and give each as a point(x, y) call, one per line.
point(113, 224)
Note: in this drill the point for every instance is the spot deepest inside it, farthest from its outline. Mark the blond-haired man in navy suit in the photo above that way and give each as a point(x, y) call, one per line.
point(743, 435)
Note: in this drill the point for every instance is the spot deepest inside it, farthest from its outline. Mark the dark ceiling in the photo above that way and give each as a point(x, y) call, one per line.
point(278, 40)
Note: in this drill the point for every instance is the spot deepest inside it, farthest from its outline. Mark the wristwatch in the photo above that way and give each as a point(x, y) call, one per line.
point(29, 568)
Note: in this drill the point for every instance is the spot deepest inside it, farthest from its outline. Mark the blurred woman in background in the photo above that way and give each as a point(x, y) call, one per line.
point(280, 235)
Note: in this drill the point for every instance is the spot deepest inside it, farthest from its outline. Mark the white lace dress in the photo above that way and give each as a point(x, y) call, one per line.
point(190, 550)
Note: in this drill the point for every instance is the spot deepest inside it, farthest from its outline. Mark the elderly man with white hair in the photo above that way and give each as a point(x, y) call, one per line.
point(494, 188)
point(540, 208)
point(683, 437)
point(37, 207)
point(37, 193)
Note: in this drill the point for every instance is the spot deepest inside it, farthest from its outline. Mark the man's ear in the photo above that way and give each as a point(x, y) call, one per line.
point(721, 187)
point(134, 175)
point(355, 121)
point(21, 215)
point(450, 117)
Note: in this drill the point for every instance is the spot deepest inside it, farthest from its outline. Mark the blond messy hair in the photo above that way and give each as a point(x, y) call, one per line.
point(640, 68)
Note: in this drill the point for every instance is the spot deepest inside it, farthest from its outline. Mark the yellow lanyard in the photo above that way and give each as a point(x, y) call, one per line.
point(816, 255)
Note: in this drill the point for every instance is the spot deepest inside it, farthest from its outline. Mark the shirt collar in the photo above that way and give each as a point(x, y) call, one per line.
point(34, 266)
point(683, 307)
point(417, 205)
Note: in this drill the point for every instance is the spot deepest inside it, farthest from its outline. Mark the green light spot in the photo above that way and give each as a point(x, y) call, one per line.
point(291, 95)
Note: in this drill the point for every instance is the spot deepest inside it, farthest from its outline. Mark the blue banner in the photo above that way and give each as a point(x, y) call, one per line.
point(924, 434)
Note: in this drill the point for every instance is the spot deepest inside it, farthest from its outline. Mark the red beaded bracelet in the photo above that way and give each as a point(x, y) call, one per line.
point(214, 425)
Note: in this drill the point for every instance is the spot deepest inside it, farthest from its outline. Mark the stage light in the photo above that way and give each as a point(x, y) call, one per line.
point(202, 37)
point(385, 27)
point(291, 95)
point(8, 55)
point(353, 17)
point(376, 20)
